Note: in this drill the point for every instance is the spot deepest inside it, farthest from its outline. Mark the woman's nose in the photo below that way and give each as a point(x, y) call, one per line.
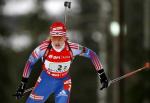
point(57, 41)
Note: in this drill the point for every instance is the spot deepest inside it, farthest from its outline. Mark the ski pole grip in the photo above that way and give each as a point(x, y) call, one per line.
point(67, 4)
point(147, 65)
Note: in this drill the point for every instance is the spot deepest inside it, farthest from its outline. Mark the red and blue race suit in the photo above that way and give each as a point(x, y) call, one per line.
point(54, 77)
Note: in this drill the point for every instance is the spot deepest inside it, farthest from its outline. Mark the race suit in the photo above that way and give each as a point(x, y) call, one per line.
point(54, 77)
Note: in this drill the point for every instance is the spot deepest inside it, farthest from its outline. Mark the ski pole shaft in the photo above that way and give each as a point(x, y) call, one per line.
point(146, 66)
point(67, 4)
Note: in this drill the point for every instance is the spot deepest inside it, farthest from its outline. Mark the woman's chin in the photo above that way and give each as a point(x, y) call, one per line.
point(57, 47)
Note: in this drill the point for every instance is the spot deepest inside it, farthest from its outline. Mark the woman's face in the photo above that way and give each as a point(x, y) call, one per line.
point(58, 41)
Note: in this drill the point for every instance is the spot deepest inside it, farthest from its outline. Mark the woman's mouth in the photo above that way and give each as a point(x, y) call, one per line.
point(57, 46)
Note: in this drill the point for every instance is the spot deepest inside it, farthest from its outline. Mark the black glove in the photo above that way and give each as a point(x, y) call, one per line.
point(20, 91)
point(103, 79)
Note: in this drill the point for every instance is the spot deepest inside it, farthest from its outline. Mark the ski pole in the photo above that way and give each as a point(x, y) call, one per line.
point(146, 66)
point(67, 4)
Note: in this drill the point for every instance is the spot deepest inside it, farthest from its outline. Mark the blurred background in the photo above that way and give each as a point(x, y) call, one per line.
point(117, 30)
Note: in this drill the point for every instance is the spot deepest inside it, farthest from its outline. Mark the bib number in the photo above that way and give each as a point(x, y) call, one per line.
point(57, 67)
point(60, 67)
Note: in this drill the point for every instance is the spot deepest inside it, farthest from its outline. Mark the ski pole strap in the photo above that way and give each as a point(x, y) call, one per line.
point(28, 90)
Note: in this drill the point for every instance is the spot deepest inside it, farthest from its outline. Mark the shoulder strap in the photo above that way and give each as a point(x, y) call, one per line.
point(47, 51)
point(70, 50)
